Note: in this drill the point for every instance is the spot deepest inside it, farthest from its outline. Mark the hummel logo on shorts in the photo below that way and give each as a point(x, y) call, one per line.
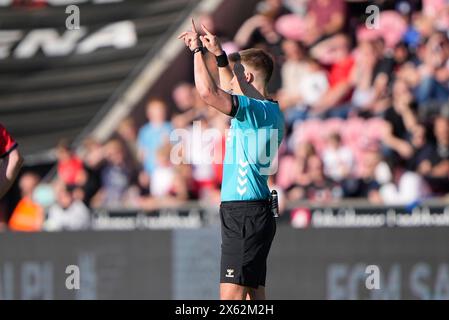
point(230, 273)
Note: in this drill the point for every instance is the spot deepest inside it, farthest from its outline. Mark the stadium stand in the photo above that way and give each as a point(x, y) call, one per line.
point(366, 107)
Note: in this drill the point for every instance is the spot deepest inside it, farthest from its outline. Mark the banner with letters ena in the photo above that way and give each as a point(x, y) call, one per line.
point(62, 60)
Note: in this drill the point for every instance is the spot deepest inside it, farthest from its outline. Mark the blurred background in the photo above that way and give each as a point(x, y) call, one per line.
point(363, 173)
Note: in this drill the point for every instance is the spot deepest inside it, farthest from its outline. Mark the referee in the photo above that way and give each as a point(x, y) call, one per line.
point(248, 225)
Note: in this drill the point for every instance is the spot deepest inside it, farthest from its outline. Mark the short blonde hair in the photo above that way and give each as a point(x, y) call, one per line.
point(255, 58)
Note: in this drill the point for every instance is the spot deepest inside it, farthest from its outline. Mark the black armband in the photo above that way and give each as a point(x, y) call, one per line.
point(222, 60)
point(234, 105)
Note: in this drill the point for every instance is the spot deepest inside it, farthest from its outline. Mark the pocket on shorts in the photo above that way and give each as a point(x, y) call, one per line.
point(233, 223)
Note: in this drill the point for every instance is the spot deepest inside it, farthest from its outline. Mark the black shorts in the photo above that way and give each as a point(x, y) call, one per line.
point(247, 231)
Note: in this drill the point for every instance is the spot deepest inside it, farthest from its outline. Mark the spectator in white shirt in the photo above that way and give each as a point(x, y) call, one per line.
point(338, 159)
point(67, 213)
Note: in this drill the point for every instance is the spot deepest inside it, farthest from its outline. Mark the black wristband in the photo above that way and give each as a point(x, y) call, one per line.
point(222, 60)
point(198, 49)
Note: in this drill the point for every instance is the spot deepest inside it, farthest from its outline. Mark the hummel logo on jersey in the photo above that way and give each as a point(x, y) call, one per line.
point(243, 164)
point(229, 273)
point(242, 180)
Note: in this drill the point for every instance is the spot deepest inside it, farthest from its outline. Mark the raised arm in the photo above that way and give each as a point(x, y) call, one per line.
point(9, 169)
point(208, 89)
point(212, 44)
point(205, 84)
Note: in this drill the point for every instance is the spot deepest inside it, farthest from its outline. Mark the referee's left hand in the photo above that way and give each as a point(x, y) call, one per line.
point(191, 38)
point(211, 42)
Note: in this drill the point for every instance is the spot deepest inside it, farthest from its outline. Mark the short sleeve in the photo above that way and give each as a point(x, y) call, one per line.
point(7, 143)
point(251, 111)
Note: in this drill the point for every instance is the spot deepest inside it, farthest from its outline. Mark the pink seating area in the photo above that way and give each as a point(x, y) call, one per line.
point(356, 133)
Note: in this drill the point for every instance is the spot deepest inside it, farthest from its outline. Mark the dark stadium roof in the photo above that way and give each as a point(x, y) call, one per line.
point(43, 98)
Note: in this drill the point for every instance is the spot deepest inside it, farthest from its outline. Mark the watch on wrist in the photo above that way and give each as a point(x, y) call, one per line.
point(198, 49)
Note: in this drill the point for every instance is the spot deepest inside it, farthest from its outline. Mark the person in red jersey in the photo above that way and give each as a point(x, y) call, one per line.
point(10, 161)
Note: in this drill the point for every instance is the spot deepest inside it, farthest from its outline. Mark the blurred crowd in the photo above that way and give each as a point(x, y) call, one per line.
point(365, 103)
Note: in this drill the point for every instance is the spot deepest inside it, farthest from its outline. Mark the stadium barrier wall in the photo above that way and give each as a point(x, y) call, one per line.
point(346, 214)
point(313, 263)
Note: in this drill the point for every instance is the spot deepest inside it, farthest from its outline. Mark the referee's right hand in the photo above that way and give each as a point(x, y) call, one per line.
point(191, 38)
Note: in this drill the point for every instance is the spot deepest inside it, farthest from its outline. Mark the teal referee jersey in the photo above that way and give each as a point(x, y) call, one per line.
point(252, 144)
